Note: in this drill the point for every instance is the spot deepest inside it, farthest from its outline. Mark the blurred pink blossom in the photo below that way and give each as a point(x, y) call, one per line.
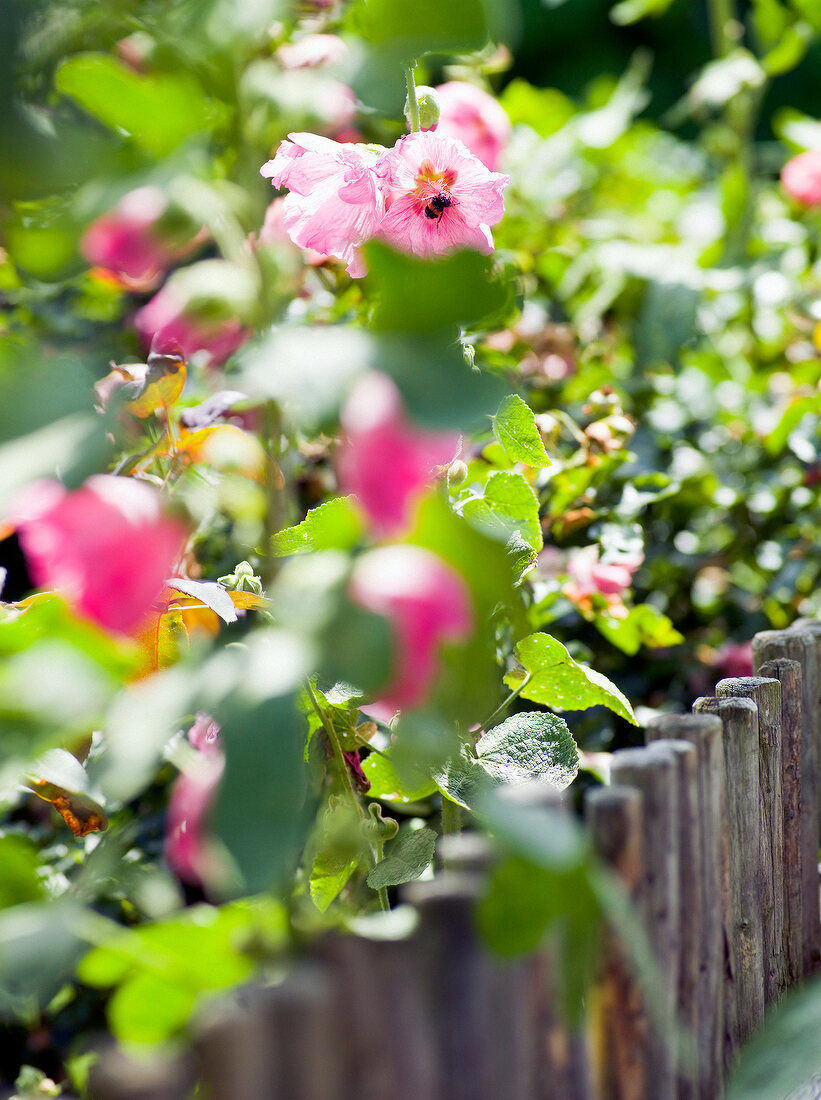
point(589, 576)
point(106, 546)
point(174, 315)
point(384, 460)
point(192, 795)
point(475, 118)
point(334, 202)
point(312, 51)
point(426, 603)
point(438, 196)
point(734, 659)
point(130, 241)
point(801, 177)
point(273, 232)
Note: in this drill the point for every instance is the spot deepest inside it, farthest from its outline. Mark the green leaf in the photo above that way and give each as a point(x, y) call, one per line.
point(408, 784)
point(158, 111)
point(781, 1056)
point(643, 625)
point(514, 425)
point(334, 525)
point(531, 745)
point(149, 1009)
point(410, 854)
point(424, 295)
point(416, 27)
point(525, 902)
point(338, 844)
point(39, 946)
point(162, 969)
point(508, 507)
point(554, 679)
point(631, 11)
point(19, 880)
point(790, 51)
point(464, 780)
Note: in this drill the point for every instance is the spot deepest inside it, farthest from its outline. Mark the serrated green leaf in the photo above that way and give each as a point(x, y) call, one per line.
point(334, 525)
point(507, 507)
point(386, 783)
point(514, 425)
point(554, 679)
point(410, 854)
point(531, 745)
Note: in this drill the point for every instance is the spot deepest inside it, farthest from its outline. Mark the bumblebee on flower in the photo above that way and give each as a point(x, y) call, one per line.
point(428, 195)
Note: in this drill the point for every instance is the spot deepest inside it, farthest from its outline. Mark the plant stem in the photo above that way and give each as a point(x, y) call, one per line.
point(506, 703)
point(722, 16)
point(348, 783)
point(451, 816)
point(381, 891)
point(413, 103)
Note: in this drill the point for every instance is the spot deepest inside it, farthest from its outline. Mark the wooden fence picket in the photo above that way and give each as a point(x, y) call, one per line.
point(712, 828)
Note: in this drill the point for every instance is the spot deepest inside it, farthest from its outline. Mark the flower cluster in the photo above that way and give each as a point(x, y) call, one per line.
point(428, 195)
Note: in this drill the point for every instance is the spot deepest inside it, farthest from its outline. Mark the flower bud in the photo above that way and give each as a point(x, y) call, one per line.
point(457, 472)
point(428, 102)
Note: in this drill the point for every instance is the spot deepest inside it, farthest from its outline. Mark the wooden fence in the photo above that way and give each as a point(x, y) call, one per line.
point(713, 827)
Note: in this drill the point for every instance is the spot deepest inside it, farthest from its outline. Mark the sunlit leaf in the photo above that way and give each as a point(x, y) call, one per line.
point(507, 507)
point(334, 525)
point(59, 778)
point(530, 745)
point(514, 425)
point(157, 110)
point(386, 783)
point(208, 592)
point(551, 677)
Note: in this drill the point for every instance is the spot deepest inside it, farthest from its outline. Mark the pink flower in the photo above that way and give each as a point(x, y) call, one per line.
point(334, 201)
point(186, 843)
point(203, 308)
point(475, 118)
point(589, 576)
point(128, 240)
point(439, 196)
point(734, 659)
point(384, 460)
point(312, 51)
point(106, 546)
point(426, 603)
point(801, 177)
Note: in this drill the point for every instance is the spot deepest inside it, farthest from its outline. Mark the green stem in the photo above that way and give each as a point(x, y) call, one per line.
point(451, 816)
point(413, 103)
point(382, 891)
point(506, 703)
point(722, 16)
point(348, 783)
point(274, 491)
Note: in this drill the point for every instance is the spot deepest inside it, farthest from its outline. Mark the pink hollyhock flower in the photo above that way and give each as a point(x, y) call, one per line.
point(801, 177)
point(273, 232)
point(589, 576)
point(334, 202)
point(426, 603)
point(439, 196)
point(384, 460)
point(312, 51)
point(186, 843)
point(734, 659)
point(128, 240)
point(202, 308)
point(475, 118)
point(106, 546)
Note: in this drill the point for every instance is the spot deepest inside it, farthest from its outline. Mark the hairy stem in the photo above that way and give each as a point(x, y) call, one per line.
point(451, 816)
point(413, 103)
